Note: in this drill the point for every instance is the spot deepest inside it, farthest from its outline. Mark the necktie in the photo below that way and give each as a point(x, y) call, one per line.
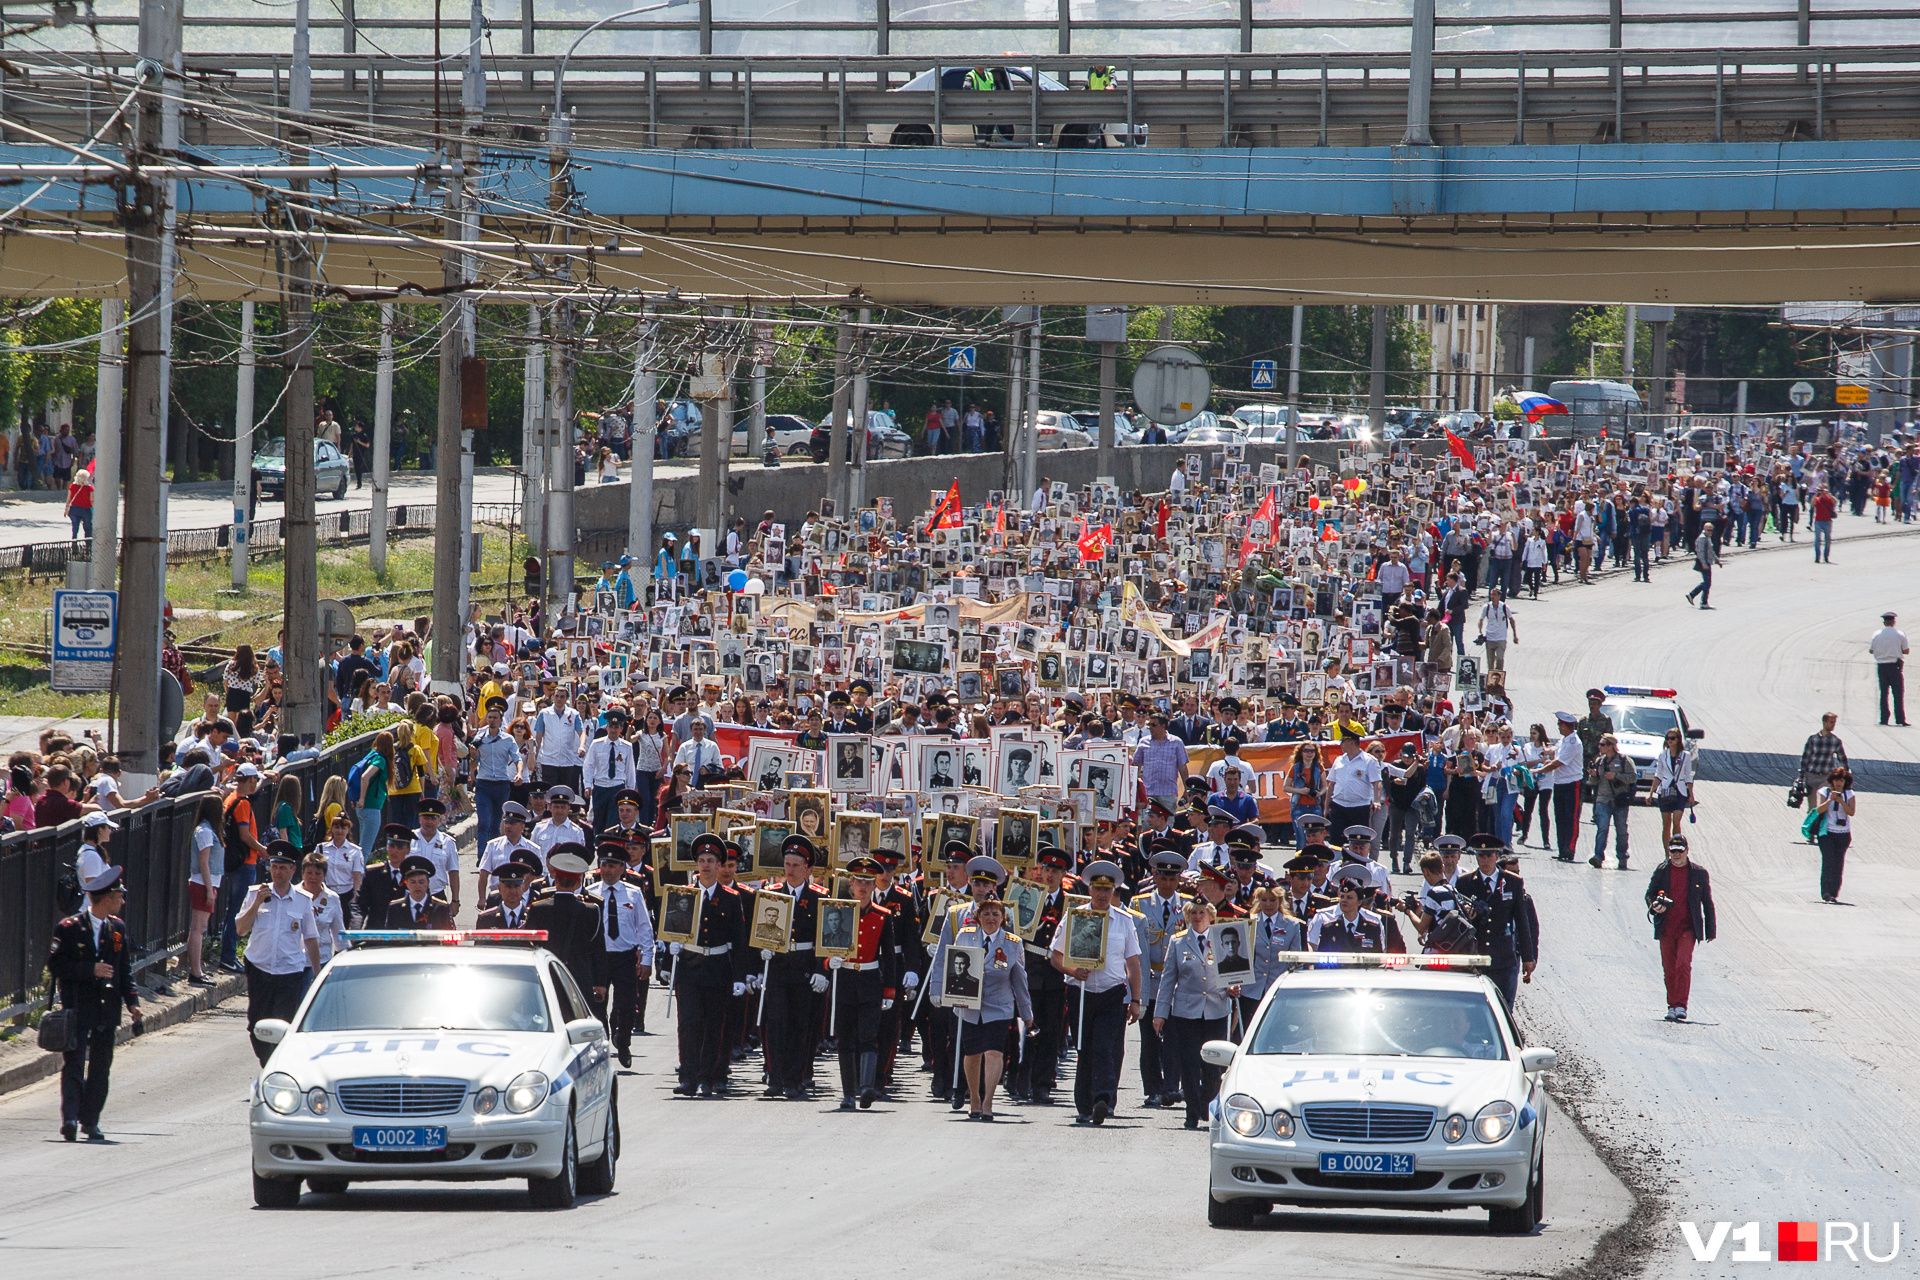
point(613, 919)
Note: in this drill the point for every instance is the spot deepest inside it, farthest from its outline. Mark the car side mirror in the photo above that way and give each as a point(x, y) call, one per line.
point(1539, 1058)
point(271, 1030)
point(1696, 734)
point(585, 1031)
point(1218, 1053)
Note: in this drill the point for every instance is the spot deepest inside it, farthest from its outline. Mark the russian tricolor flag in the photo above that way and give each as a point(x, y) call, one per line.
point(1537, 407)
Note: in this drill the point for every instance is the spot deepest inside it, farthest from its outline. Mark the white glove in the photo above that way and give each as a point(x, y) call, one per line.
point(753, 982)
point(819, 983)
point(673, 948)
point(911, 981)
point(739, 988)
point(886, 1003)
point(835, 963)
point(766, 954)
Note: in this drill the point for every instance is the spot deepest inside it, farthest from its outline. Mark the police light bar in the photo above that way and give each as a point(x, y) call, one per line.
point(1377, 960)
point(442, 937)
point(1641, 691)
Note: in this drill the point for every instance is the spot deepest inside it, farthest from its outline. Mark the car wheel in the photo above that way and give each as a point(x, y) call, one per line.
point(276, 1193)
point(340, 490)
point(327, 1186)
point(561, 1190)
point(798, 450)
point(912, 135)
point(596, 1179)
point(1522, 1220)
point(1231, 1214)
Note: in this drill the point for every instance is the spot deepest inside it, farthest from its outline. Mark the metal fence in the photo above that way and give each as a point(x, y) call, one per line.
point(155, 847)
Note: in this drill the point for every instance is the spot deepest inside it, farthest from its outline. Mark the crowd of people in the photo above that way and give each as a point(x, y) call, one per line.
point(977, 723)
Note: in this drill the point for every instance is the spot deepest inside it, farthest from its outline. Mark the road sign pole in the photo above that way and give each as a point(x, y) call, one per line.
point(1108, 363)
point(1293, 393)
point(243, 449)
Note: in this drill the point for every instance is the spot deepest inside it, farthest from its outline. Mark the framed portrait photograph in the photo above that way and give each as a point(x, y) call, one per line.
point(1014, 836)
point(896, 836)
point(850, 762)
point(836, 928)
point(1050, 669)
point(1232, 951)
point(1103, 780)
point(768, 836)
point(936, 764)
point(1019, 767)
point(942, 901)
point(808, 811)
point(1086, 944)
point(954, 826)
point(686, 829)
point(961, 977)
point(769, 762)
point(855, 835)
point(1009, 682)
point(770, 922)
point(679, 913)
point(919, 657)
point(1025, 900)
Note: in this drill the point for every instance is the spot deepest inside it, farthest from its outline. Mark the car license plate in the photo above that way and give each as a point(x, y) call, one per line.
point(1375, 1164)
point(426, 1137)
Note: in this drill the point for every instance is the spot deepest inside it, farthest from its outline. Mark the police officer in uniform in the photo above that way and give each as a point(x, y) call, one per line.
point(90, 966)
point(381, 886)
point(1243, 849)
point(1162, 913)
point(1347, 926)
point(1112, 999)
point(1213, 850)
point(837, 719)
point(795, 977)
point(572, 923)
point(438, 847)
point(936, 1026)
point(869, 985)
point(708, 973)
point(417, 907)
point(1301, 901)
point(1358, 851)
point(1046, 985)
point(627, 928)
point(512, 839)
point(1504, 925)
point(859, 715)
point(510, 912)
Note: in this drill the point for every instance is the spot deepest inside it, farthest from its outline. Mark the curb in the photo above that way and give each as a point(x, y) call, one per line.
point(23, 1062)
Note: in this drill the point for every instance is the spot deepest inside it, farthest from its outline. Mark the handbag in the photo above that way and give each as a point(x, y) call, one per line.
point(57, 1030)
point(1814, 825)
point(1796, 794)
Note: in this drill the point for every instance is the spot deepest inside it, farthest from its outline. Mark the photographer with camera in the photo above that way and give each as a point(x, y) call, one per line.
point(1680, 904)
point(1442, 919)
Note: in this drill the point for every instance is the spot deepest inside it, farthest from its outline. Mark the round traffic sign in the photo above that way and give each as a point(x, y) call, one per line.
point(1171, 386)
point(336, 624)
point(1801, 393)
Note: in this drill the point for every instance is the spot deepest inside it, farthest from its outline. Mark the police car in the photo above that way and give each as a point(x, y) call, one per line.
point(452, 1057)
point(1385, 1082)
point(1641, 717)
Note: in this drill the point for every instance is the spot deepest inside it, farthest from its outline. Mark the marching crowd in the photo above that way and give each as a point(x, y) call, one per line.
point(1144, 694)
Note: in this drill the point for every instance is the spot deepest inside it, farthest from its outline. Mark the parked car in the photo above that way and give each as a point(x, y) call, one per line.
point(953, 82)
point(331, 470)
point(1266, 423)
point(883, 440)
point(789, 432)
point(1089, 420)
point(1058, 430)
point(1222, 431)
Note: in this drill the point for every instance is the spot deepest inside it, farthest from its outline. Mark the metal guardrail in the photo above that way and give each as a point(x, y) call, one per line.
point(154, 845)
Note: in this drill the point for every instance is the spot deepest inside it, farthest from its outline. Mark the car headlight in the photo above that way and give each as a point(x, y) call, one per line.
point(529, 1090)
point(281, 1092)
point(317, 1101)
point(1243, 1115)
point(1456, 1128)
point(1494, 1122)
point(485, 1100)
point(1282, 1125)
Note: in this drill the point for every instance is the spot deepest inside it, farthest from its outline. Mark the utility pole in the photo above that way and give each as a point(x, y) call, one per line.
point(1108, 368)
point(473, 103)
point(1377, 384)
point(304, 711)
point(757, 386)
point(837, 438)
point(1626, 349)
point(1293, 392)
point(382, 442)
point(1010, 432)
point(1032, 468)
point(646, 413)
point(243, 449)
point(144, 215)
point(108, 402)
point(857, 438)
point(559, 564)
point(1420, 77)
point(533, 443)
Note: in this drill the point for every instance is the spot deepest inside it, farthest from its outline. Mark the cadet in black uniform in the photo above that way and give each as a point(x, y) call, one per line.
point(510, 912)
point(572, 925)
point(837, 718)
point(795, 977)
point(381, 885)
point(416, 908)
point(1302, 902)
point(859, 715)
point(90, 965)
point(1502, 921)
point(909, 951)
point(709, 973)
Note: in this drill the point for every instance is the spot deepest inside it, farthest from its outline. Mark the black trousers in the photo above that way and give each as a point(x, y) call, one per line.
point(1342, 816)
point(857, 1024)
point(1157, 1075)
point(1893, 681)
point(1199, 1080)
point(1103, 1049)
point(1041, 1061)
point(703, 1029)
point(1566, 815)
point(272, 995)
point(1833, 861)
point(84, 1072)
point(937, 1038)
point(1507, 978)
point(792, 1013)
point(622, 999)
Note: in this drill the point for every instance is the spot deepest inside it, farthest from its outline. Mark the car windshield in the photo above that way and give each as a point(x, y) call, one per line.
point(1652, 722)
point(429, 997)
point(1381, 1022)
point(274, 449)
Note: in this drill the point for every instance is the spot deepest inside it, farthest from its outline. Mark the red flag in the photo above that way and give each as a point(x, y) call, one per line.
point(1267, 512)
point(1459, 449)
point(947, 514)
point(1093, 543)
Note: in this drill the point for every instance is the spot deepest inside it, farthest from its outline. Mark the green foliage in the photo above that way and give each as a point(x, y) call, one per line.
point(28, 379)
point(365, 722)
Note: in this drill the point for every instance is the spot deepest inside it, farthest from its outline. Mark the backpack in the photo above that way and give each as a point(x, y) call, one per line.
point(236, 847)
point(354, 777)
point(402, 766)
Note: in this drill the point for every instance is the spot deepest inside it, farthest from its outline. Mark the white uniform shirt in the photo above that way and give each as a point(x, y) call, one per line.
point(444, 854)
point(329, 920)
point(499, 849)
point(281, 928)
point(1568, 761)
point(559, 737)
point(343, 861)
point(609, 763)
point(550, 833)
point(632, 926)
point(1889, 644)
point(1123, 943)
point(1352, 780)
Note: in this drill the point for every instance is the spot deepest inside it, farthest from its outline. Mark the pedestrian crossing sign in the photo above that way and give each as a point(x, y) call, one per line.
point(960, 359)
point(1264, 374)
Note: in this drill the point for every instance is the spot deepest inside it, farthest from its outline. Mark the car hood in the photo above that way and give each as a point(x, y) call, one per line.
point(1640, 746)
point(270, 463)
point(1445, 1084)
point(483, 1057)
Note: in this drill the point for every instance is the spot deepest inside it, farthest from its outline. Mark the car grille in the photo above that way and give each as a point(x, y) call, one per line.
point(401, 1097)
point(1367, 1122)
point(1420, 1181)
point(453, 1151)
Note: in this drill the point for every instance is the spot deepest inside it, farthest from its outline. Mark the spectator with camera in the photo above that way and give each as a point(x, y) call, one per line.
point(1680, 903)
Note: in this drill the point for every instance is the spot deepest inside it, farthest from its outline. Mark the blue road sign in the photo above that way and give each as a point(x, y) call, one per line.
point(84, 627)
point(960, 360)
point(1265, 372)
